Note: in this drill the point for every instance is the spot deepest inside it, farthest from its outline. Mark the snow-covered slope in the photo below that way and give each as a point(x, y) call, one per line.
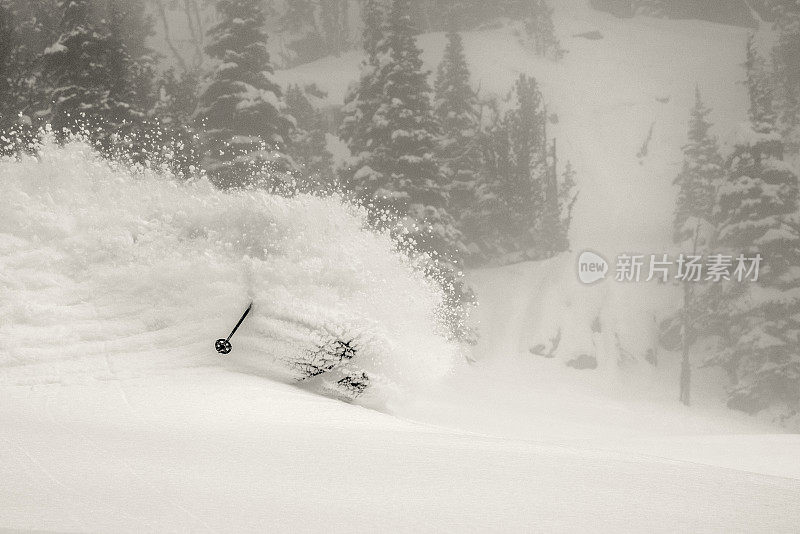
point(117, 415)
point(209, 450)
point(606, 95)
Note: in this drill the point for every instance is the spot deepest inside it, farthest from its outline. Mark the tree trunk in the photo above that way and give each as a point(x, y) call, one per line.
point(686, 367)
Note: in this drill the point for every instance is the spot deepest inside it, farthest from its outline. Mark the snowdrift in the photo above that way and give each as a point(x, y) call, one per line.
point(100, 259)
point(118, 416)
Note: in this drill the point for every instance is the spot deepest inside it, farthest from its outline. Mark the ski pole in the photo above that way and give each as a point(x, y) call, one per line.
point(223, 346)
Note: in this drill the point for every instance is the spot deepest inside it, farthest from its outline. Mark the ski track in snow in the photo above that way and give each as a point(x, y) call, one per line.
point(116, 415)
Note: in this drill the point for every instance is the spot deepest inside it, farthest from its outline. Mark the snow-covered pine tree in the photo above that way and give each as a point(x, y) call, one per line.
point(314, 28)
point(9, 105)
point(131, 27)
point(567, 196)
point(362, 99)
point(26, 29)
point(537, 16)
point(240, 114)
point(760, 89)
point(372, 34)
point(524, 187)
point(298, 15)
point(174, 115)
point(308, 143)
point(694, 227)
point(75, 66)
point(699, 176)
point(511, 190)
point(304, 36)
point(131, 92)
point(392, 134)
point(542, 32)
point(489, 223)
point(785, 56)
point(402, 172)
point(558, 199)
point(334, 16)
point(456, 108)
point(95, 75)
point(757, 209)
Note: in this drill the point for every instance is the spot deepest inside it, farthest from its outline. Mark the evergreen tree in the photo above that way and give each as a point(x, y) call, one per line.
point(316, 28)
point(757, 209)
point(401, 171)
point(95, 76)
point(362, 99)
point(131, 69)
point(516, 170)
point(567, 196)
point(334, 15)
point(759, 90)
point(785, 56)
point(75, 65)
point(299, 23)
point(542, 31)
point(700, 175)
point(372, 34)
point(12, 75)
point(308, 143)
point(240, 114)
point(526, 125)
point(392, 133)
point(26, 29)
point(491, 220)
point(455, 102)
point(456, 109)
point(694, 226)
point(298, 15)
point(132, 27)
point(174, 115)
point(559, 198)
point(8, 38)
point(523, 189)
point(538, 18)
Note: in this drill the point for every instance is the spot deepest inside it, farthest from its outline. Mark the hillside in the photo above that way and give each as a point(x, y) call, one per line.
point(116, 414)
point(606, 95)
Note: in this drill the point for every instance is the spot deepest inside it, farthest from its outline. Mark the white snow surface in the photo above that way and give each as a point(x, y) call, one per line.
point(116, 414)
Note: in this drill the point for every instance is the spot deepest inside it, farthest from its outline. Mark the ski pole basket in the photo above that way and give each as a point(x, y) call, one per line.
point(223, 346)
